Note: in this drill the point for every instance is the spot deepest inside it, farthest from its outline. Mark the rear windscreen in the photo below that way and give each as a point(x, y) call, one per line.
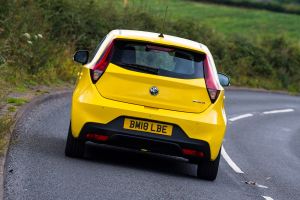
point(156, 59)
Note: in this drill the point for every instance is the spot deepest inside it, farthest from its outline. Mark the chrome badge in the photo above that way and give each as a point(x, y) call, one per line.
point(154, 91)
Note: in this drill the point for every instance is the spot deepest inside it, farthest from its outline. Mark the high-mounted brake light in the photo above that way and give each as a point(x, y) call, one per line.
point(157, 48)
point(101, 65)
point(212, 85)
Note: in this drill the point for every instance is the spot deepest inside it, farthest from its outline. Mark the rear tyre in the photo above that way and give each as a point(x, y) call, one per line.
point(208, 170)
point(74, 146)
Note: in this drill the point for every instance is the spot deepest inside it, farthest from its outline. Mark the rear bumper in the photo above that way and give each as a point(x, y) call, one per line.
point(169, 145)
point(89, 107)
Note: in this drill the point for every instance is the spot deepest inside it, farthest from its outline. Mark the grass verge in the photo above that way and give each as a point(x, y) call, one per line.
point(5, 123)
point(16, 101)
point(224, 19)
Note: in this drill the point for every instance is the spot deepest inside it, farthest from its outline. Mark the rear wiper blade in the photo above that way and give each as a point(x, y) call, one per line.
point(140, 67)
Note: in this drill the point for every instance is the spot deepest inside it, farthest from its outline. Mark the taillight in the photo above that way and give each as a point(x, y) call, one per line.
point(101, 65)
point(98, 137)
point(191, 152)
point(212, 85)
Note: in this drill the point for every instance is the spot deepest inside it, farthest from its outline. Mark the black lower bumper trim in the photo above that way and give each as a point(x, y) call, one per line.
point(169, 145)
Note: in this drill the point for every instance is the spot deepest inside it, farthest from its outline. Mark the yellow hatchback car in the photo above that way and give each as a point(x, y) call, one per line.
point(150, 92)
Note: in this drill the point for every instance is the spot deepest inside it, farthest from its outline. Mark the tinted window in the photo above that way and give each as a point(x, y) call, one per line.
point(96, 50)
point(167, 61)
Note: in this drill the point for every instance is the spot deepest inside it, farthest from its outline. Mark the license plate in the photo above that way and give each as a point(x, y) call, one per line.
point(146, 126)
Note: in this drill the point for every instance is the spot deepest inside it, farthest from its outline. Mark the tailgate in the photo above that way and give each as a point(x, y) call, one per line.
point(186, 95)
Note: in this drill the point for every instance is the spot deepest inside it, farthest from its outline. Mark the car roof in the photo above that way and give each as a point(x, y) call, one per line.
point(154, 38)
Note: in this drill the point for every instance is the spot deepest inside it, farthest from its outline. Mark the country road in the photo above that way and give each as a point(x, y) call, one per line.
point(260, 158)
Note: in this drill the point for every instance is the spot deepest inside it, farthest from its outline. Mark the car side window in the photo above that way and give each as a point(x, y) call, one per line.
point(91, 57)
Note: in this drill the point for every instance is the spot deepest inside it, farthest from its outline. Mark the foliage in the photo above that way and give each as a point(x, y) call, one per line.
point(39, 36)
point(5, 123)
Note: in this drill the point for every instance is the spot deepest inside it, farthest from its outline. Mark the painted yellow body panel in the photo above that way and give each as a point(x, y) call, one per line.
point(129, 86)
point(89, 106)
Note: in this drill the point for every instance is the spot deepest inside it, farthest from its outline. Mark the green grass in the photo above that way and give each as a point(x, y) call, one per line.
point(5, 123)
point(21, 88)
point(11, 108)
point(16, 101)
point(280, 6)
point(228, 20)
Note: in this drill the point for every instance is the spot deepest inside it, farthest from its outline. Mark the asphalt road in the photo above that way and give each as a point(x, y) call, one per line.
point(264, 146)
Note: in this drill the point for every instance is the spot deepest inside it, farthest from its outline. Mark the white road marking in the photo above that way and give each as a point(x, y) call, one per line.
point(268, 198)
point(261, 186)
point(278, 111)
point(240, 117)
point(230, 162)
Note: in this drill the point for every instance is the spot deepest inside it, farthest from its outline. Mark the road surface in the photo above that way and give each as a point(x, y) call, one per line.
point(260, 158)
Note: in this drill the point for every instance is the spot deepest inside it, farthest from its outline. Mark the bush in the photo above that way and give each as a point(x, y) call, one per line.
point(39, 36)
point(285, 60)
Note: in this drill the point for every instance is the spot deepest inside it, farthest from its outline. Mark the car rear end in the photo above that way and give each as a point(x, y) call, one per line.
point(151, 94)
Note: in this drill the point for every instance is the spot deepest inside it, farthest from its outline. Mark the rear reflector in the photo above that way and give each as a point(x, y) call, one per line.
point(93, 136)
point(192, 152)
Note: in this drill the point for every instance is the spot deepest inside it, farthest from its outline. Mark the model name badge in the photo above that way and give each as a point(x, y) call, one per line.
point(198, 101)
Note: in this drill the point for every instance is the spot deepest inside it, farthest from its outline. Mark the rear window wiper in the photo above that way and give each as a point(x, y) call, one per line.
point(140, 67)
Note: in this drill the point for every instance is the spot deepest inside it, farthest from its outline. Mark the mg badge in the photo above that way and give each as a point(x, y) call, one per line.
point(154, 91)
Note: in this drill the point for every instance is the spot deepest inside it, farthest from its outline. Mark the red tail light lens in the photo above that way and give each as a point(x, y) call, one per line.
point(101, 65)
point(212, 85)
point(92, 136)
point(157, 48)
point(192, 152)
